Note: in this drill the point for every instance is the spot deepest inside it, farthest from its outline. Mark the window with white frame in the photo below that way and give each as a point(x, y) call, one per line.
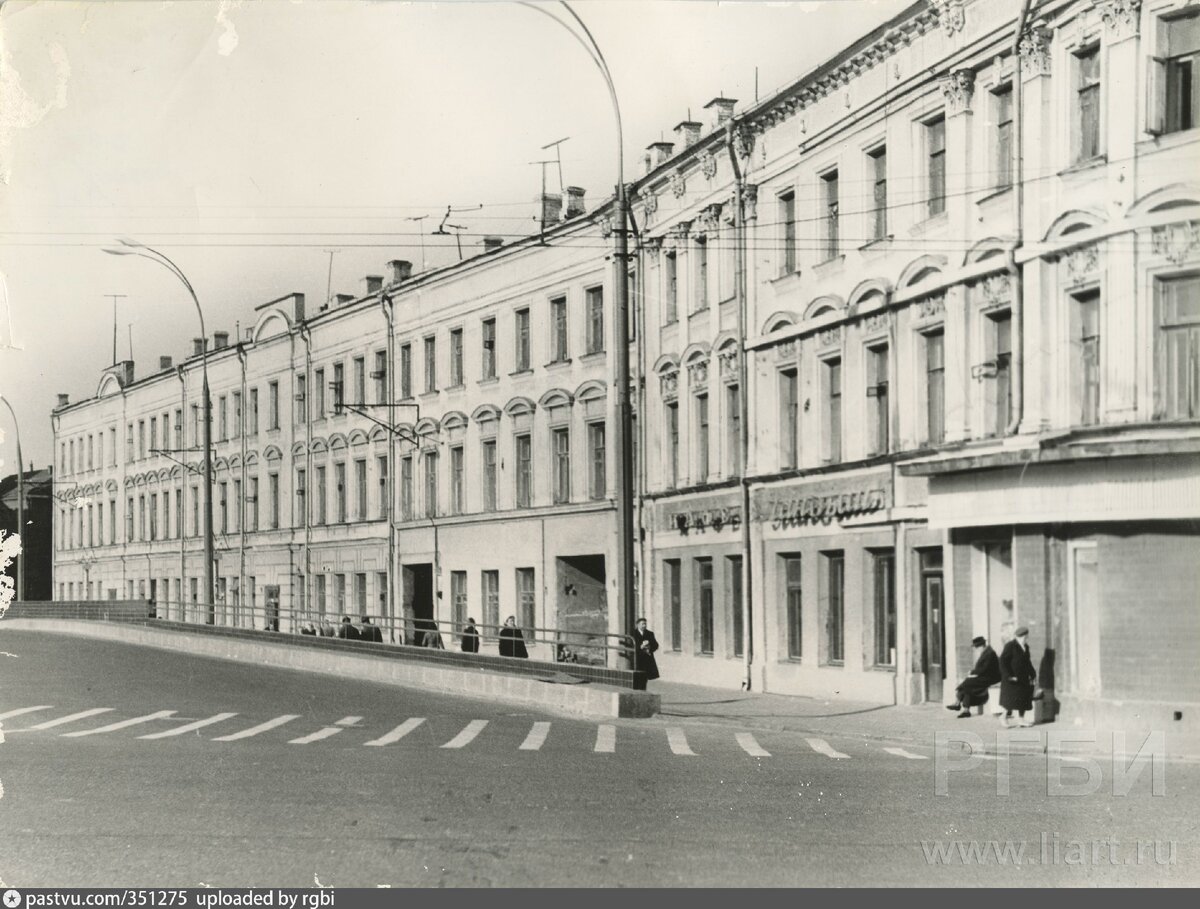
point(594, 300)
point(597, 461)
point(1174, 78)
point(935, 173)
point(787, 232)
point(1085, 355)
point(456, 357)
point(1086, 77)
point(430, 364)
point(523, 445)
point(521, 340)
point(1177, 354)
point(830, 216)
point(559, 343)
point(1002, 144)
point(457, 491)
point(560, 440)
point(488, 370)
point(877, 158)
point(832, 368)
point(877, 397)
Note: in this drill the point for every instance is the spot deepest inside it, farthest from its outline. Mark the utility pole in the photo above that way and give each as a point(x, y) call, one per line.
point(114, 298)
point(20, 501)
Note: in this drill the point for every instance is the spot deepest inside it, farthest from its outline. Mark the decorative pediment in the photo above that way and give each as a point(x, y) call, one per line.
point(1177, 242)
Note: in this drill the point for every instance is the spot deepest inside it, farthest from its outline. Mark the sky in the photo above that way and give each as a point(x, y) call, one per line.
point(248, 139)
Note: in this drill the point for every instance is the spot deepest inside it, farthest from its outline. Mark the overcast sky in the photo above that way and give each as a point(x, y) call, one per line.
point(247, 139)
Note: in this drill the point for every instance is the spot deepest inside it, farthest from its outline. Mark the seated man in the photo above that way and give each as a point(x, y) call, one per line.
point(348, 631)
point(370, 631)
point(973, 690)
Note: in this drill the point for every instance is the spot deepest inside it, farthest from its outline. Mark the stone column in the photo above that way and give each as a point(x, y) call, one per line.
point(958, 87)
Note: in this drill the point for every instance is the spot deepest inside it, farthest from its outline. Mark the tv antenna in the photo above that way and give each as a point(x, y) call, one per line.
point(329, 276)
point(114, 298)
point(421, 234)
point(442, 232)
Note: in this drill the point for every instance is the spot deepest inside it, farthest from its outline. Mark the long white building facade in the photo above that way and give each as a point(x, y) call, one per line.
point(918, 358)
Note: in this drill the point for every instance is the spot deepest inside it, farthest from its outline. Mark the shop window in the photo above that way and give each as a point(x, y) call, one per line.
point(832, 583)
point(794, 602)
point(883, 570)
point(733, 571)
point(704, 605)
point(674, 604)
point(1177, 354)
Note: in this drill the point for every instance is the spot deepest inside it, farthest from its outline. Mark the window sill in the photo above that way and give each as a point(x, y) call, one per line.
point(428, 395)
point(1081, 167)
point(557, 364)
point(457, 386)
point(932, 223)
point(879, 243)
point(489, 380)
point(829, 264)
point(785, 277)
point(593, 356)
point(1164, 141)
point(699, 312)
point(834, 664)
point(521, 372)
point(997, 193)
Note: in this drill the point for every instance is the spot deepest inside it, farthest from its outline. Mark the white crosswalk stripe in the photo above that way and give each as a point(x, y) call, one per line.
point(750, 745)
point(606, 739)
point(123, 724)
point(63, 720)
point(678, 741)
point(259, 729)
point(536, 738)
point(326, 731)
point(823, 747)
point(189, 727)
point(398, 733)
point(900, 752)
point(21, 711)
point(468, 734)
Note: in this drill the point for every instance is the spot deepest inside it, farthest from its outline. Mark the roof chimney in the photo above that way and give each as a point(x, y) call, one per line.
point(128, 371)
point(661, 151)
point(550, 208)
point(164, 363)
point(647, 163)
point(687, 132)
point(722, 110)
point(343, 299)
point(198, 347)
point(401, 270)
point(573, 201)
point(220, 340)
point(491, 244)
point(372, 284)
point(63, 399)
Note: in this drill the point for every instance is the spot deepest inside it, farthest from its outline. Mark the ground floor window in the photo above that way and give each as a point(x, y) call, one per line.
point(833, 606)
point(884, 570)
point(704, 589)
point(490, 586)
point(526, 598)
point(733, 565)
point(671, 586)
point(794, 601)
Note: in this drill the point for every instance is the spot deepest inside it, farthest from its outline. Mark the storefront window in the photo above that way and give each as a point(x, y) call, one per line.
point(833, 606)
point(704, 586)
point(791, 574)
point(733, 565)
point(884, 565)
point(671, 579)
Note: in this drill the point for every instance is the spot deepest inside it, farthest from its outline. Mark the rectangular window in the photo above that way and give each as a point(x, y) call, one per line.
point(490, 584)
point(339, 594)
point(154, 514)
point(141, 442)
point(223, 507)
point(360, 593)
point(430, 351)
point(935, 386)
point(195, 512)
point(359, 392)
point(338, 387)
point(789, 419)
point(560, 438)
point(406, 489)
point(524, 451)
point(1087, 355)
point(273, 405)
point(339, 482)
point(672, 429)
point(521, 340)
point(381, 470)
point(236, 426)
point(733, 571)
point(153, 434)
point(700, 251)
point(883, 569)
point(787, 237)
point(594, 297)
point(833, 410)
point(704, 605)
point(702, 434)
point(877, 398)
point(674, 605)
point(318, 394)
point(456, 357)
point(360, 489)
point(252, 416)
point(935, 149)
point(1176, 70)
point(380, 375)
point(1003, 106)
point(112, 517)
point(321, 496)
point(1177, 349)
point(1001, 351)
point(671, 276)
point(91, 452)
point(829, 213)
point(252, 505)
point(458, 598)
point(273, 492)
point(794, 601)
point(112, 439)
point(301, 398)
point(431, 484)
point(488, 447)
point(488, 370)
point(236, 513)
point(526, 598)
point(832, 595)
point(879, 199)
point(733, 429)
point(558, 330)
point(129, 449)
point(457, 503)
point(597, 461)
point(1087, 103)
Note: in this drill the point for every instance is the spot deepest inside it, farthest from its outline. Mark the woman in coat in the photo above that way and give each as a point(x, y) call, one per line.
point(512, 642)
point(1016, 677)
point(644, 646)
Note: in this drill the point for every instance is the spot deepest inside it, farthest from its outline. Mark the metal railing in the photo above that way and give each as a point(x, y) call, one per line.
point(558, 645)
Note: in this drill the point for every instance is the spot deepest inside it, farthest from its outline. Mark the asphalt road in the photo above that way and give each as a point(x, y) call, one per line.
point(296, 791)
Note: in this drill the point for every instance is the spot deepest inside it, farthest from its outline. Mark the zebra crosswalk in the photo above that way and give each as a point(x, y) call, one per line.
point(447, 733)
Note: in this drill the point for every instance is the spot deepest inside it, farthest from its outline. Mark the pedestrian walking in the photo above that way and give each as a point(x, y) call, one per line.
point(644, 646)
point(973, 690)
point(470, 637)
point(512, 642)
point(1017, 678)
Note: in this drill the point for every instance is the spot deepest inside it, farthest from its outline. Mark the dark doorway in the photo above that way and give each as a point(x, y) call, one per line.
point(583, 611)
point(933, 615)
point(418, 602)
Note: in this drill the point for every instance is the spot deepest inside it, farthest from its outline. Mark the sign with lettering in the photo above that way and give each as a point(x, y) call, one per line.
point(704, 516)
point(819, 505)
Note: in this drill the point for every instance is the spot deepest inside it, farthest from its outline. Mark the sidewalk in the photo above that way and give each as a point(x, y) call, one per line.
point(917, 725)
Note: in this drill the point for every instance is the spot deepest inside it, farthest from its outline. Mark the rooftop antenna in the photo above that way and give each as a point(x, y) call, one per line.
point(114, 298)
point(421, 234)
point(557, 160)
point(329, 276)
point(130, 327)
point(442, 232)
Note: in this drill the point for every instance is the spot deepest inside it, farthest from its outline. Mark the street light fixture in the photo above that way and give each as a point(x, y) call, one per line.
point(20, 501)
point(133, 248)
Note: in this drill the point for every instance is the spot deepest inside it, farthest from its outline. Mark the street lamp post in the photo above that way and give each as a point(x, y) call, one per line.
point(624, 434)
point(20, 500)
point(133, 248)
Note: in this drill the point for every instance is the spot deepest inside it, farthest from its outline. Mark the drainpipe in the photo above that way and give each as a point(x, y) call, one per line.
point(183, 475)
point(1014, 270)
point(739, 182)
point(387, 305)
point(241, 352)
point(306, 337)
point(643, 573)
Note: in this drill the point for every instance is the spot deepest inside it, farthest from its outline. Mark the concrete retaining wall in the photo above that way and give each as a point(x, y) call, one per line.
point(581, 699)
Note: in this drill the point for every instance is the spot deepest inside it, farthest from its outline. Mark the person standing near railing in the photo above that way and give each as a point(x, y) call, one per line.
point(644, 645)
point(512, 642)
point(470, 637)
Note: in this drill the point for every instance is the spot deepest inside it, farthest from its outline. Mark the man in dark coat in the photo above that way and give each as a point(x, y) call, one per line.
point(644, 645)
point(470, 637)
point(1017, 677)
point(348, 631)
point(512, 642)
point(370, 631)
point(973, 690)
